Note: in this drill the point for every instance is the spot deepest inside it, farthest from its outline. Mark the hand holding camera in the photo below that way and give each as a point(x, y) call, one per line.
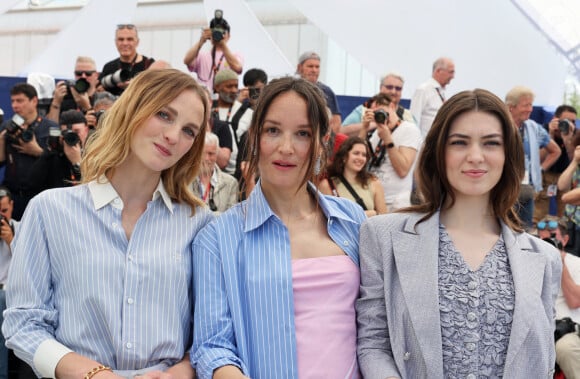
point(368, 120)
point(73, 153)
point(6, 230)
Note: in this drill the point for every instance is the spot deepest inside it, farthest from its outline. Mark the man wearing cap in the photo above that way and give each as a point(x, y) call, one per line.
point(227, 108)
point(309, 68)
point(206, 64)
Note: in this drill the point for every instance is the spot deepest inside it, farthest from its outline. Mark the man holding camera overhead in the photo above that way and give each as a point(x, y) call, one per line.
point(117, 73)
point(394, 144)
point(75, 94)
point(22, 141)
point(207, 63)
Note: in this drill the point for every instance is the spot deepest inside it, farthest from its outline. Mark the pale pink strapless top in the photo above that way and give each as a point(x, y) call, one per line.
point(325, 290)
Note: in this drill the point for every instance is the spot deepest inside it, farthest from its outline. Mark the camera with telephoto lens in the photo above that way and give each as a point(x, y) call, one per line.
point(112, 81)
point(381, 116)
point(218, 26)
point(81, 85)
point(564, 126)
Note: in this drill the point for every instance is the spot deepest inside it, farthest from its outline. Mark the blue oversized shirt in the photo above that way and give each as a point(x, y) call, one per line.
point(244, 306)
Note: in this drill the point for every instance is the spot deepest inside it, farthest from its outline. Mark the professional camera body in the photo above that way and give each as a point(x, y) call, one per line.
point(564, 126)
point(218, 26)
point(381, 116)
point(81, 85)
point(15, 133)
point(68, 136)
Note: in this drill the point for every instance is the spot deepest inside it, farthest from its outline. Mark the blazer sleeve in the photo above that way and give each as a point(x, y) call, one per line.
point(373, 346)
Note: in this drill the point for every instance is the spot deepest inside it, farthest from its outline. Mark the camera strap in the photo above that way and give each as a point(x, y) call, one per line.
point(358, 199)
point(380, 150)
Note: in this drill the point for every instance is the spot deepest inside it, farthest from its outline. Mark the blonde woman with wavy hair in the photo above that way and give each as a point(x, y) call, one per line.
point(102, 273)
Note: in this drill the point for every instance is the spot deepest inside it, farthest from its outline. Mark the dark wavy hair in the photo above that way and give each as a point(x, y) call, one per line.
point(337, 166)
point(317, 117)
point(431, 176)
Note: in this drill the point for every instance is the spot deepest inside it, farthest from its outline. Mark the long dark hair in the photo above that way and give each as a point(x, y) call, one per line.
point(431, 176)
point(339, 162)
point(317, 116)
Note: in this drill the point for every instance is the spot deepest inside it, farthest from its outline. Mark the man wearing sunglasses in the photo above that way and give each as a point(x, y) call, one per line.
point(392, 85)
point(66, 96)
point(117, 74)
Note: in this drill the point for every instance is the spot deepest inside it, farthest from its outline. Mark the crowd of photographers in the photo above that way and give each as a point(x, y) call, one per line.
point(42, 148)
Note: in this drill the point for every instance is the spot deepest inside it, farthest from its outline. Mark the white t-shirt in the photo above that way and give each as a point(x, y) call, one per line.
point(572, 262)
point(397, 190)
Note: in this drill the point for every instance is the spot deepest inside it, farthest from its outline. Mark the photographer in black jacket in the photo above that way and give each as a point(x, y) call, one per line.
point(22, 140)
point(60, 165)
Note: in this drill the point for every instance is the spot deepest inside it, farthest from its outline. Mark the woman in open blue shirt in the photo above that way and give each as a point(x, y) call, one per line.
point(248, 308)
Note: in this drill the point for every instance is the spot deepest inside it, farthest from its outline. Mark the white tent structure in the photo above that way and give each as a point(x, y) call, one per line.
point(495, 44)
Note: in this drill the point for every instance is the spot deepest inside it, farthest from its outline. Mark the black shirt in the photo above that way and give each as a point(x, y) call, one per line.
point(133, 69)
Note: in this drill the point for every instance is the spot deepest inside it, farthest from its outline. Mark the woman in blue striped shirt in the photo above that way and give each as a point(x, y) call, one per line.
point(276, 276)
point(100, 283)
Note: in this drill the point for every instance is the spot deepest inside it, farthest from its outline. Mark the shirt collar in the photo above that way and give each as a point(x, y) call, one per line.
point(103, 193)
point(259, 211)
point(436, 84)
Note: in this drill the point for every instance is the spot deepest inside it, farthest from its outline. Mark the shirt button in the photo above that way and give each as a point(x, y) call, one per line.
point(470, 376)
point(471, 316)
point(406, 356)
point(472, 285)
point(470, 346)
point(346, 243)
point(114, 225)
point(130, 300)
point(128, 345)
point(130, 257)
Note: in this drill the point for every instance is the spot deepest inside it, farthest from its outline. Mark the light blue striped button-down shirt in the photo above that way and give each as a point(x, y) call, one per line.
point(76, 282)
point(244, 307)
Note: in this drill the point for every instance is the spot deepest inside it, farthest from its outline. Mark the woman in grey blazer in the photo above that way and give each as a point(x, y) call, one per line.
point(453, 288)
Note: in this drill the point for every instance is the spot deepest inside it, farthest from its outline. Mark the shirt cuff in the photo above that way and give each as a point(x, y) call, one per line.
point(47, 356)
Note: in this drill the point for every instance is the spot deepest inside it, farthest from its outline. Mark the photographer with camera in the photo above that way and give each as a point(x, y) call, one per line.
point(562, 129)
point(59, 166)
point(394, 144)
point(117, 74)
point(78, 93)
point(22, 140)
point(206, 64)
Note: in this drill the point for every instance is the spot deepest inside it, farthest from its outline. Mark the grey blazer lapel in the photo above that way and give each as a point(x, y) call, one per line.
point(416, 257)
point(528, 273)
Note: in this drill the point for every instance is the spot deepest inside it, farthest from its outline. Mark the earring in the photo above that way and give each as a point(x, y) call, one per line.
point(317, 166)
